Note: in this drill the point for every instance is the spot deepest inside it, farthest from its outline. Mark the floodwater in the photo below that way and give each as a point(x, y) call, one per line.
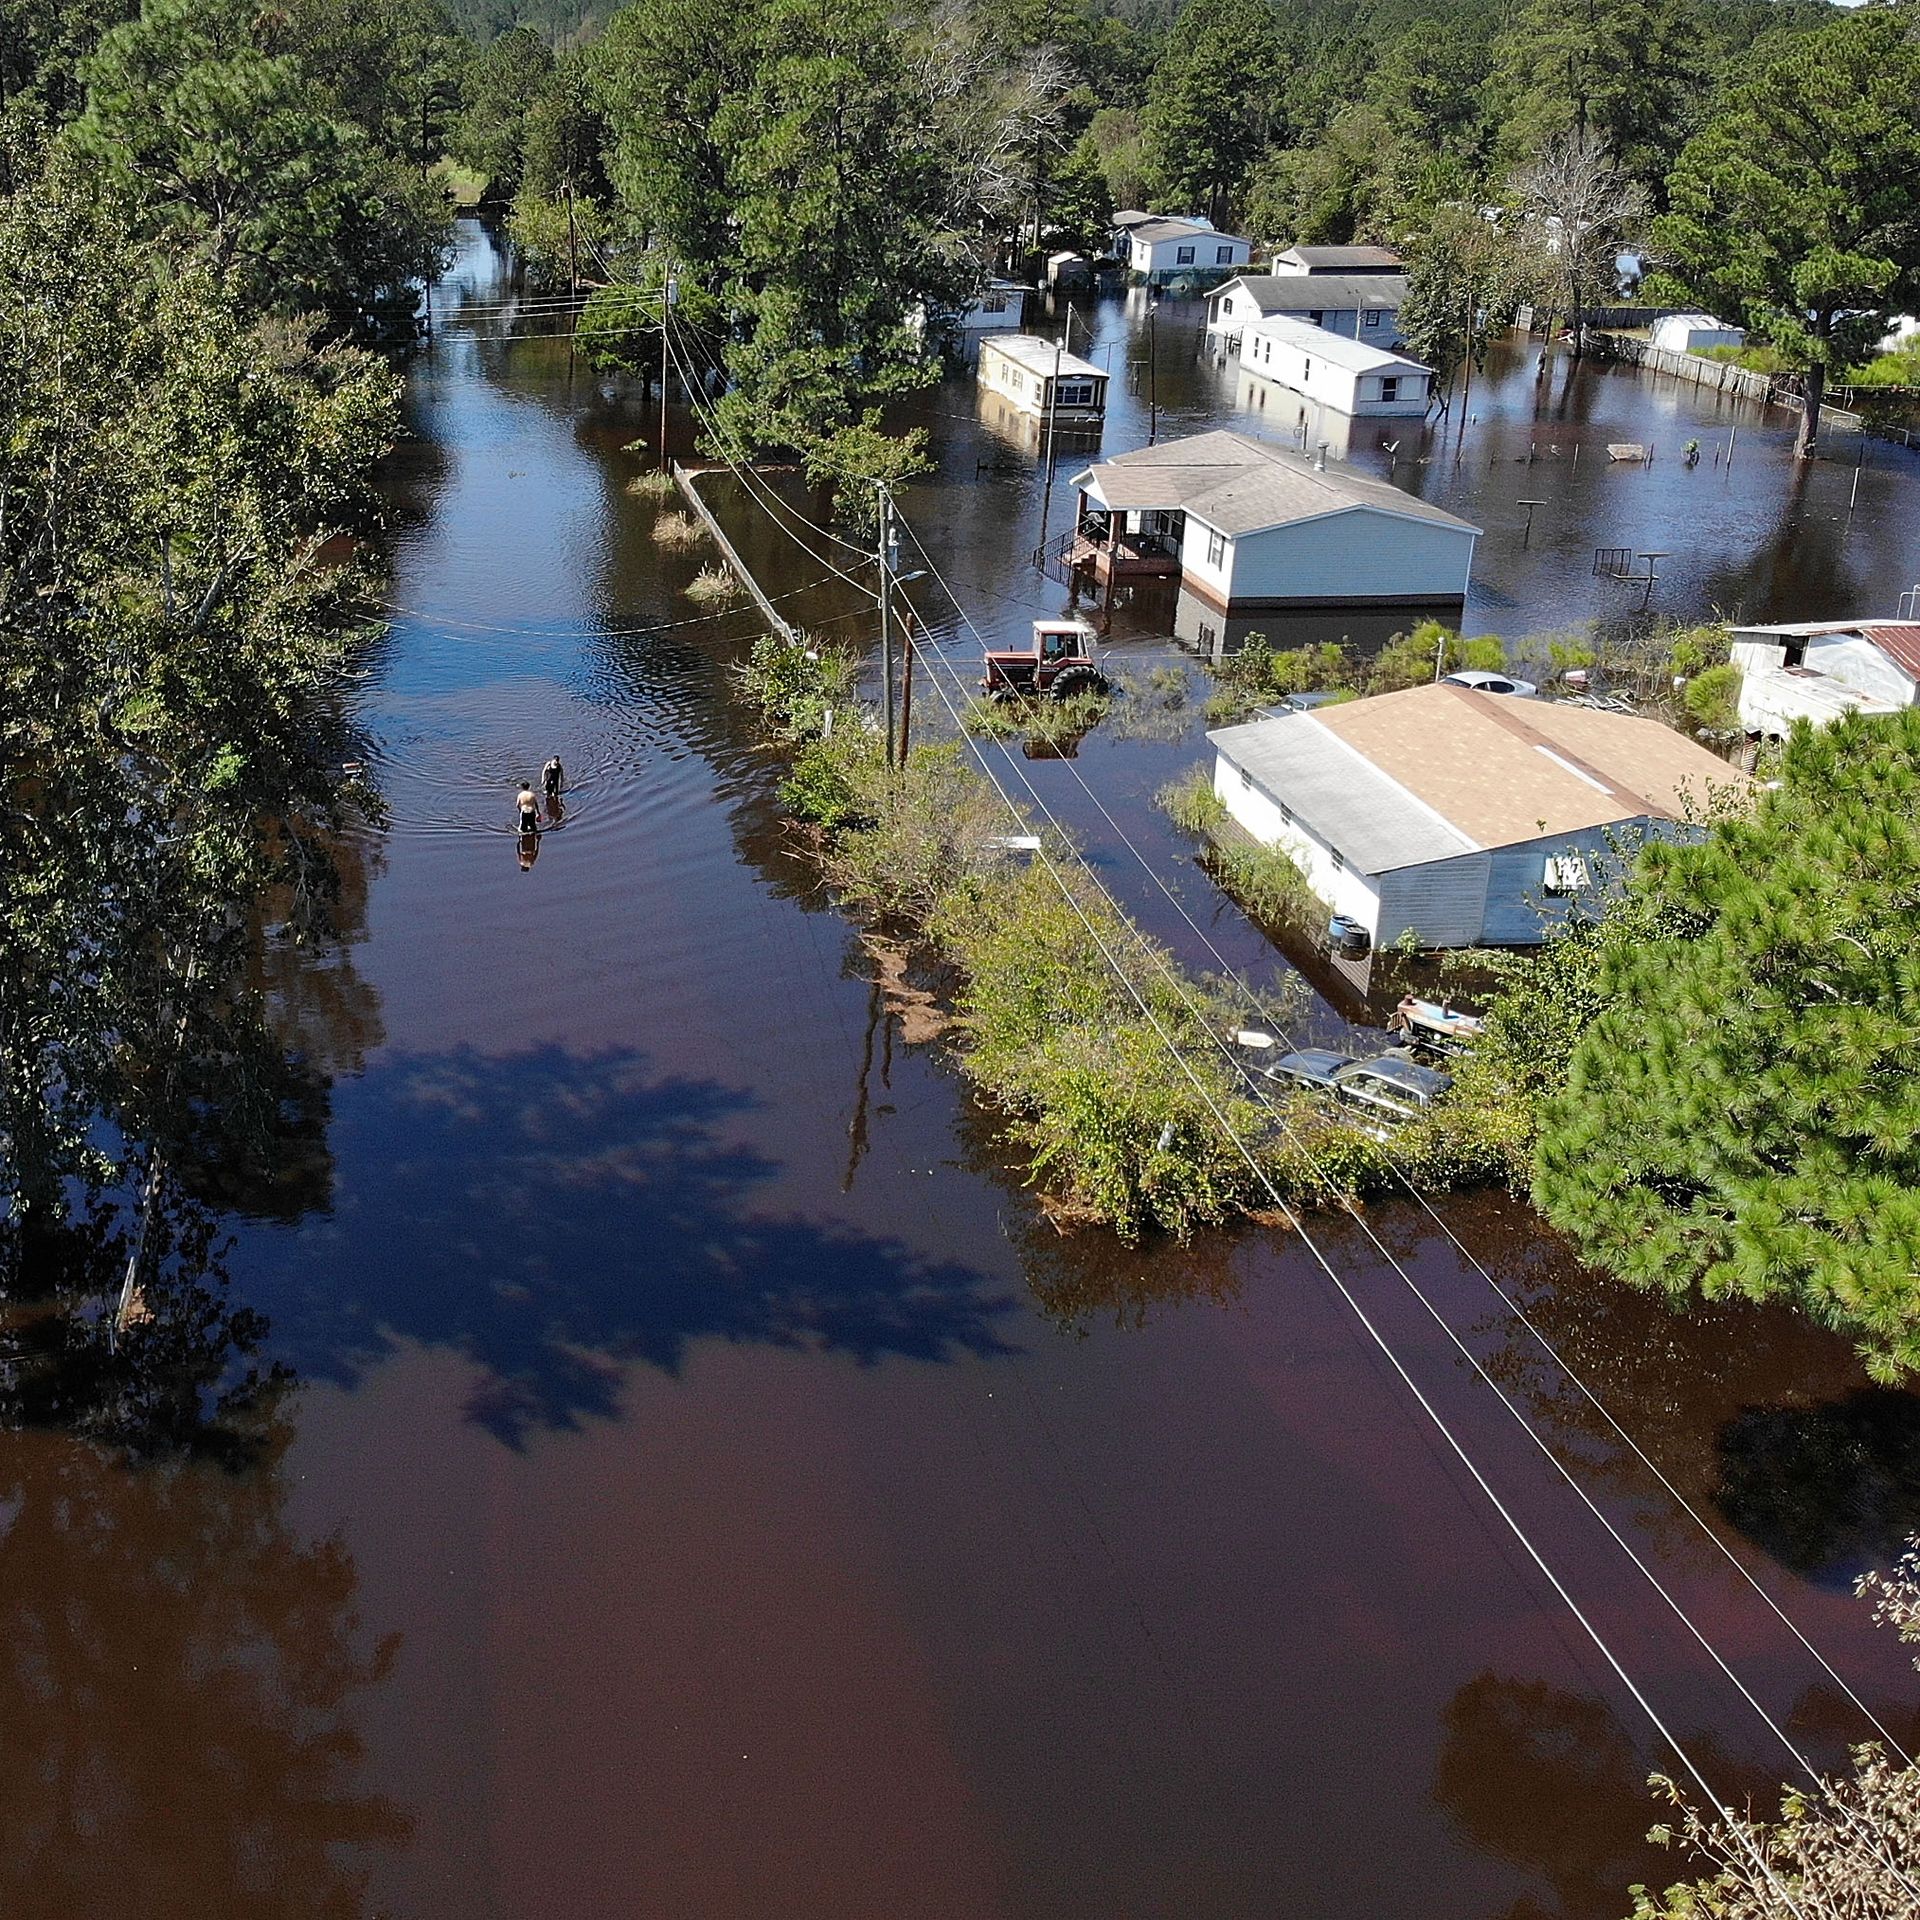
point(713, 1491)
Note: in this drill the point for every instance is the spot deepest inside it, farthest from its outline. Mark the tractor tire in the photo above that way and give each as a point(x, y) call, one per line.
point(1076, 681)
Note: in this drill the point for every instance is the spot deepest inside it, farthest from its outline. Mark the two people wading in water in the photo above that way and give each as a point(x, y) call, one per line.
point(553, 778)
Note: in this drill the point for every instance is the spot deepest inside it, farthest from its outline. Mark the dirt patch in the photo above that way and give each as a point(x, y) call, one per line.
point(920, 1014)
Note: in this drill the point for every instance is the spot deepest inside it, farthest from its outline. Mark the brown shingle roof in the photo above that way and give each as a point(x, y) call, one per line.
point(1503, 770)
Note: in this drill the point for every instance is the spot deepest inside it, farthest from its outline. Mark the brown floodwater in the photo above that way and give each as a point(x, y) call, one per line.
point(714, 1491)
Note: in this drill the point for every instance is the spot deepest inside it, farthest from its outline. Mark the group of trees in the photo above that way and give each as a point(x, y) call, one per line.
point(207, 209)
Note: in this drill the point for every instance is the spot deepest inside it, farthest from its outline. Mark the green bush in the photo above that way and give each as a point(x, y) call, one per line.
point(1712, 698)
point(796, 684)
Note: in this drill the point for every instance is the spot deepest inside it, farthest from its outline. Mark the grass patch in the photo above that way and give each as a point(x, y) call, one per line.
point(679, 530)
point(714, 586)
point(1041, 722)
point(653, 485)
point(463, 185)
point(1264, 881)
point(1191, 802)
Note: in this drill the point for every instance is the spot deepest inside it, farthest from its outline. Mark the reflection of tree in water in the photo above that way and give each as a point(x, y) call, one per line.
point(175, 1694)
point(556, 1217)
point(1829, 1490)
point(178, 1376)
point(1673, 1379)
point(224, 1108)
point(1550, 1781)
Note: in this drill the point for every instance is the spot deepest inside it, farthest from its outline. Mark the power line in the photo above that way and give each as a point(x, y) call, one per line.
point(1253, 1002)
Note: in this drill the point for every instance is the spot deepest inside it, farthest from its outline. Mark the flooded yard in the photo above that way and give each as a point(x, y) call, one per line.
point(714, 1489)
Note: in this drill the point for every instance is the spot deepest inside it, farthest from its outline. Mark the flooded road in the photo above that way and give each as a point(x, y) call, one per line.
point(713, 1490)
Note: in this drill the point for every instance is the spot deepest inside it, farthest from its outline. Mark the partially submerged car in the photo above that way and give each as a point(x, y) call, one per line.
point(1483, 681)
point(1382, 1092)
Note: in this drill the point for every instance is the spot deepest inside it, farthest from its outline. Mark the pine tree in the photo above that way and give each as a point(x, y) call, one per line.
point(1743, 1118)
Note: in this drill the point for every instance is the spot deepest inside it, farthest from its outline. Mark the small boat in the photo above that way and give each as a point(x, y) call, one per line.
point(1431, 1024)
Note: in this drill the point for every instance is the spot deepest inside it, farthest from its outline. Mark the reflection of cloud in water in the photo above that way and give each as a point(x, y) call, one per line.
point(554, 1217)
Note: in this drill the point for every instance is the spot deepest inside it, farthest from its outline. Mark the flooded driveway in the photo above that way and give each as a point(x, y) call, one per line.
point(713, 1489)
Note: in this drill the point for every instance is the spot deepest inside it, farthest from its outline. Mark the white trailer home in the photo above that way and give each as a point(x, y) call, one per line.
point(1338, 260)
point(1695, 333)
point(1035, 374)
point(1160, 248)
point(1330, 370)
point(1463, 818)
point(1245, 525)
point(1819, 669)
point(1363, 306)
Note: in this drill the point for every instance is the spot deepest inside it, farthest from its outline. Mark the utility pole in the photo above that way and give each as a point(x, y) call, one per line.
point(906, 683)
point(669, 298)
point(887, 551)
point(1153, 366)
point(1466, 380)
point(1053, 402)
point(573, 243)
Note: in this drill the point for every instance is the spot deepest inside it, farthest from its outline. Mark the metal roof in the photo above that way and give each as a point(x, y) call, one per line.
point(1899, 640)
point(1242, 486)
point(1037, 356)
point(1358, 356)
point(1340, 795)
point(1346, 259)
point(1322, 292)
point(1166, 227)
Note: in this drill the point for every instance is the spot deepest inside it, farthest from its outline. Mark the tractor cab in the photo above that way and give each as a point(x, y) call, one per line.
point(1062, 659)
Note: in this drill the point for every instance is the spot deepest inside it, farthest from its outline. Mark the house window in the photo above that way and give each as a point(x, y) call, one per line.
point(1317, 319)
point(1216, 548)
point(1223, 256)
point(1074, 393)
point(1246, 779)
point(1183, 256)
point(1371, 318)
point(993, 303)
point(1390, 387)
point(1566, 874)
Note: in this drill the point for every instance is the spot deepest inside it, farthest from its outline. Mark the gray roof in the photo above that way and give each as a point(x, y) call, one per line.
point(1337, 792)
point(1168, 228)
point(1369, 260)
point(1322, 292)
point(1241, 486)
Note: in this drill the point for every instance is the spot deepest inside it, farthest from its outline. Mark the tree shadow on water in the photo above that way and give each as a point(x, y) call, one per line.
point(1828, 1490)
point(555, 1218)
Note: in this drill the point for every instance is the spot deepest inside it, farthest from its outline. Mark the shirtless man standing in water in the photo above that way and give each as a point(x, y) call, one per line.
point(529, 804)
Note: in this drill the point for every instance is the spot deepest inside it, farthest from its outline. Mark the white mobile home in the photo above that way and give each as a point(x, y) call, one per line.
point(1818, 670)
point(1323, 260)
point(1461, 818)
point(1363, 306)
point(1161, 248)
point(1350, 376)
point(1695, 333)
point(1036, 375)
point(1246, 525)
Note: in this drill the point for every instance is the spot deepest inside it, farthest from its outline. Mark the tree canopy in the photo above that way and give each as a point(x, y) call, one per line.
point(1743, 1116)
point(1792, 211)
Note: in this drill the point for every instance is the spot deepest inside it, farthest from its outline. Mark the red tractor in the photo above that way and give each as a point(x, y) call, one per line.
point(1062, 661)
